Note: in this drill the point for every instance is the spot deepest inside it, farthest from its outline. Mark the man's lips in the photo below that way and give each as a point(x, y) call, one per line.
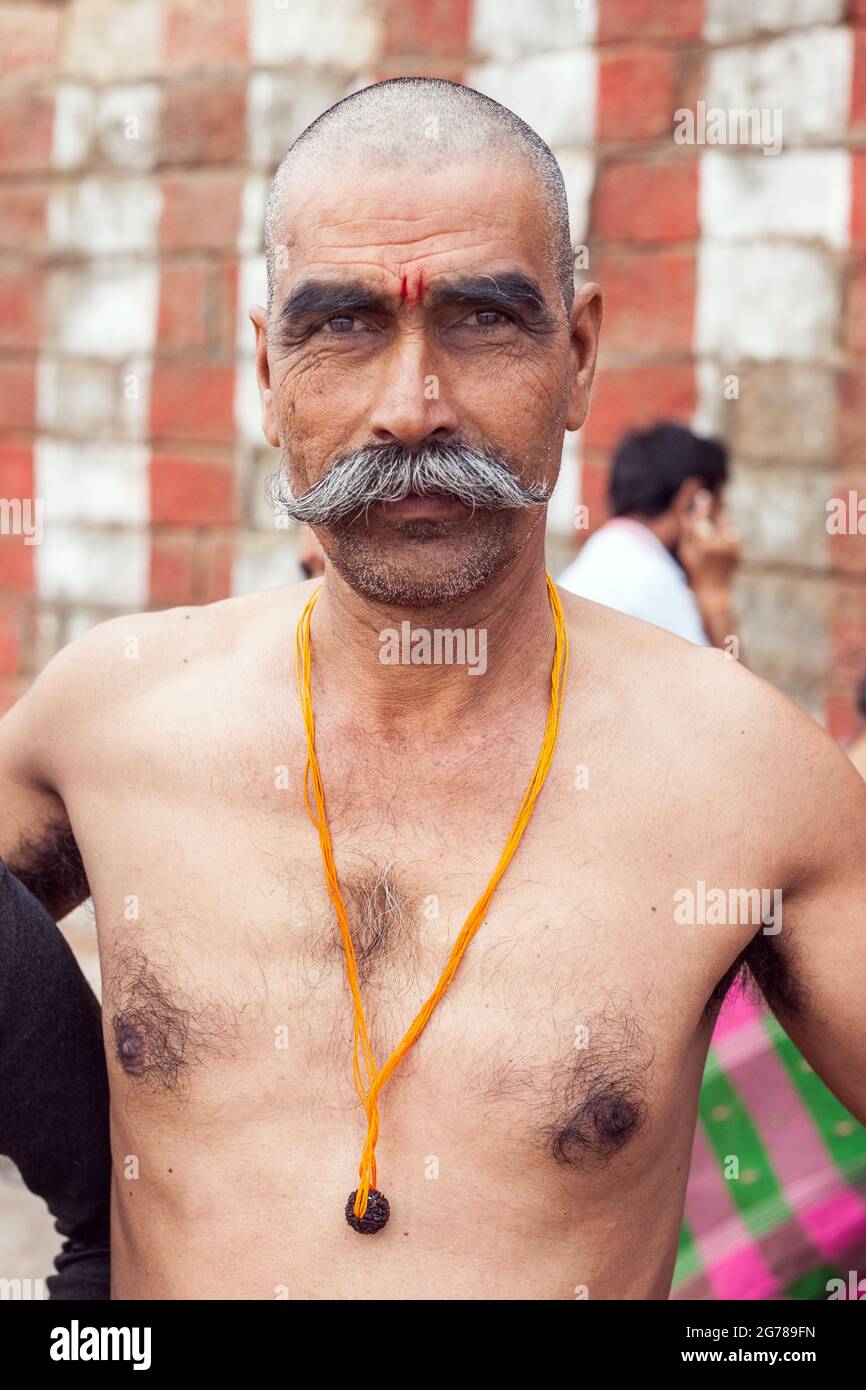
point(418, 506)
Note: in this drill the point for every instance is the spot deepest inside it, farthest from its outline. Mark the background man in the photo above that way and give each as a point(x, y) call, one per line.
point(669, 552)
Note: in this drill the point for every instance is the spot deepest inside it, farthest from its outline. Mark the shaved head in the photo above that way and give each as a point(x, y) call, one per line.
point(425, 123)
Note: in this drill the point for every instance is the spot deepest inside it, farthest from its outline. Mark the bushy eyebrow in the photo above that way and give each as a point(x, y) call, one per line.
point(330, 297)
point(510, 290)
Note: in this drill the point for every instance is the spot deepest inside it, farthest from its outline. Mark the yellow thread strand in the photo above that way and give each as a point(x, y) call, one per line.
point(369, 1081)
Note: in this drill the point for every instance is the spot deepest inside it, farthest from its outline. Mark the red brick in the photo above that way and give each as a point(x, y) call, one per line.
point(222, 307)
point(198, 36)
point(625, 398)
point(10, 691)
point(16, 481)
point(427, 26)
point(20, 292)
point(16, 470)
point(851, 416)
point(649, 301)
point(191, 492)
point(204, 123)
point(847, 553)
point(172, 569)
point(22, 217)
point(200, 211)
point(858, 80)
point(647, 202)
point(10, 642)
point(17, 396)
point(593, 490)
point(192, 402)
point(215, 562)
point(183, 306)
point(650, 19)
point(858, 198)
point(637, 94)
point(26, 132)
point(855, 311)
point(29, 37)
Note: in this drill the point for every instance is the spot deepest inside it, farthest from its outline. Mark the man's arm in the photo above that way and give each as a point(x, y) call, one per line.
point(36, 840)
point(814, 811)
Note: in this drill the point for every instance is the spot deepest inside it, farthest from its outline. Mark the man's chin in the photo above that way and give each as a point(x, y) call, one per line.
point(423, 561)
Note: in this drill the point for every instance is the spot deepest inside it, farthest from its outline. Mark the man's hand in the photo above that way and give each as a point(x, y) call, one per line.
point(709, 552)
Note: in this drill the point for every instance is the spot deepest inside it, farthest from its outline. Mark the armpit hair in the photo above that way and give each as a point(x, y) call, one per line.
point(51, 867)
point(766, 971)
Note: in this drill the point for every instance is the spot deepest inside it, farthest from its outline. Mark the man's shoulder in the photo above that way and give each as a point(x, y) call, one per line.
point(135, 653)
point(702, 691)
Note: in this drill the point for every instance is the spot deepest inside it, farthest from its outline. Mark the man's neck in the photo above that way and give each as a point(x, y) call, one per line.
point(389, 665)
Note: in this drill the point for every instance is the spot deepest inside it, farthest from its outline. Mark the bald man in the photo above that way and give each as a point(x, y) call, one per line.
point(421, 355)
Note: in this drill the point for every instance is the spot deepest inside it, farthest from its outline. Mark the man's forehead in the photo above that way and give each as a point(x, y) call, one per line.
point(446, 219)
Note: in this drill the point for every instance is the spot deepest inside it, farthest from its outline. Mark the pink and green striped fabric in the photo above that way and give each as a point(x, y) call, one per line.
point(795, 1216)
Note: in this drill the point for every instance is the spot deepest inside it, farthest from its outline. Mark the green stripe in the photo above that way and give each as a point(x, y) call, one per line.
point(688, 1260)
point(812, 1286)
point(848, 1151)
point(757, 1192)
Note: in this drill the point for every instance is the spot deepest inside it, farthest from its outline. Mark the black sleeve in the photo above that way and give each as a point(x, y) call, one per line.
point(54, 1088)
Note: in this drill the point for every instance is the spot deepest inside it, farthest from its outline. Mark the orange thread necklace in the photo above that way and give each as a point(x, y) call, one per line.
point(367, 1209)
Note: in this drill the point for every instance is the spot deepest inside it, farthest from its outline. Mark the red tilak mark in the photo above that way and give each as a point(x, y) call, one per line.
point(407, 296)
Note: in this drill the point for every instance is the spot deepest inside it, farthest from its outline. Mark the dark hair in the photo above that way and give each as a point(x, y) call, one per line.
point(650, 466)
point(861, 696)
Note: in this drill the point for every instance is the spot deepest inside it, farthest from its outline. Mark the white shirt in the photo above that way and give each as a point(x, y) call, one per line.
point(625, 566)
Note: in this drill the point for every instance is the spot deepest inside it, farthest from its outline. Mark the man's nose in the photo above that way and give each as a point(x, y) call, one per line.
point(411, 403)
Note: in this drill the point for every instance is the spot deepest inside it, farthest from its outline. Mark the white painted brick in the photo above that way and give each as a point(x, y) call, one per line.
point(76, 396)
point(555, 93)
point(765, 302)
point(578, 172)
point(103, 310)
point(265, 562)
point(252, 289)
point(281, 105)
point(509, 29)
point(804, 194)
point(112, 40)
point(344, 35)
point(98, 483)
point(254, 198)
point(93, 400)
point(560, 510)
point(74, 125)
point(79, 564)
point(710, 412)
point(99, 216)
point(248, 406)
point(127, 126)
point(780, 516)
point(806, 74)
point(79, 622)
point(726, 20)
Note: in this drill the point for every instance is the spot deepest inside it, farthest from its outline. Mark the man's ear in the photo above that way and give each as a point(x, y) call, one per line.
point(586, 316)
point(259, 318)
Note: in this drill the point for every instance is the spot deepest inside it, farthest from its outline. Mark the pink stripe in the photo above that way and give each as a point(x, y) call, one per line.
point(743, 1275)
point(835, 1224)
point(708, 1198)
point(736, 1012)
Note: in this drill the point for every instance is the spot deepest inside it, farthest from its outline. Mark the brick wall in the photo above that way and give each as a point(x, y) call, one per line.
point(136, 142)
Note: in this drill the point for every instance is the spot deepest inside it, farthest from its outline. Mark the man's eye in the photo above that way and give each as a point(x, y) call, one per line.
point(340, 323)
point(488, 318)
